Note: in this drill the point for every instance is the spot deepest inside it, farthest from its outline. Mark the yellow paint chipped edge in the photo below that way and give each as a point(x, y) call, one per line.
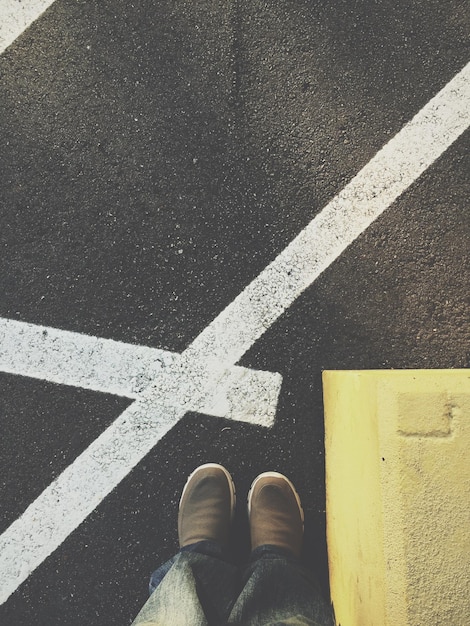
point(367, 572)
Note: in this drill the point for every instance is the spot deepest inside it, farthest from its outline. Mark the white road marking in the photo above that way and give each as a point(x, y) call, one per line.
point(83, 485)
point(109, 366)
point(393, 169)
point(16, 16)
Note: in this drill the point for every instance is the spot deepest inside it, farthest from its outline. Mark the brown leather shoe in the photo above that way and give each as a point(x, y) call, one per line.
point(207, 506)
point(276, 515)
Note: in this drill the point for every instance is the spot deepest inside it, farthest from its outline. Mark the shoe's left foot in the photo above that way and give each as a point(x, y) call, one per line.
point(207, 506)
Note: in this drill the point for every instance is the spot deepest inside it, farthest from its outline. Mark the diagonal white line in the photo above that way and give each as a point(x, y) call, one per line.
point(393, 169)
point(16, 16)
point(109, 366)
point(82, 486)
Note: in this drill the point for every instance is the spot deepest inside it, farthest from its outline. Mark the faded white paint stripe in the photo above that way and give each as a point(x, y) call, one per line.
point(109, 366)
point(395, 167)
point(78, 490)
point(16, 16)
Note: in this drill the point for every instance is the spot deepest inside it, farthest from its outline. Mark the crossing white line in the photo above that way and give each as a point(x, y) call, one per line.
point(16, 16)
point(82, 486)
point(109, 366)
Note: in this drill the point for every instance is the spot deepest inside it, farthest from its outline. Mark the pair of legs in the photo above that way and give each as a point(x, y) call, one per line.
point(200, 587)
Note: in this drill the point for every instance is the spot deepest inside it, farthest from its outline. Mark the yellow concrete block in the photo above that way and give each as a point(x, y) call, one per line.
point(398, 496)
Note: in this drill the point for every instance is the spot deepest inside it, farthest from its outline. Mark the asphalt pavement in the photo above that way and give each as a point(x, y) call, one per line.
point(155, 158)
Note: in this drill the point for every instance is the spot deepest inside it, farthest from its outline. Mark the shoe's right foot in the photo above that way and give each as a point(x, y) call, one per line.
point(275, 512)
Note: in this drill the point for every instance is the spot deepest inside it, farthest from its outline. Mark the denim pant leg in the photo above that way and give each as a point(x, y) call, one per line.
point(196, 587)
point(278, 590)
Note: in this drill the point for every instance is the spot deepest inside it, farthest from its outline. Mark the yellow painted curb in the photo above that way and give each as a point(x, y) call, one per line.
point(398, 496)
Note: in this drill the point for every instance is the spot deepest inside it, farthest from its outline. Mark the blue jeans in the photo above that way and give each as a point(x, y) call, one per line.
point(199, 587)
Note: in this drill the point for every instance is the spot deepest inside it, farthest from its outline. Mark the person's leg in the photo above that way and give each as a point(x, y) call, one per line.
point(207, 548)
point(276, 588)
point(197, 586)
point(197, 589)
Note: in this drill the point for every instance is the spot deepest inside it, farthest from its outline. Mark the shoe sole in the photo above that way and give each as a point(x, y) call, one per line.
point(275, 475)
point(233, 497)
